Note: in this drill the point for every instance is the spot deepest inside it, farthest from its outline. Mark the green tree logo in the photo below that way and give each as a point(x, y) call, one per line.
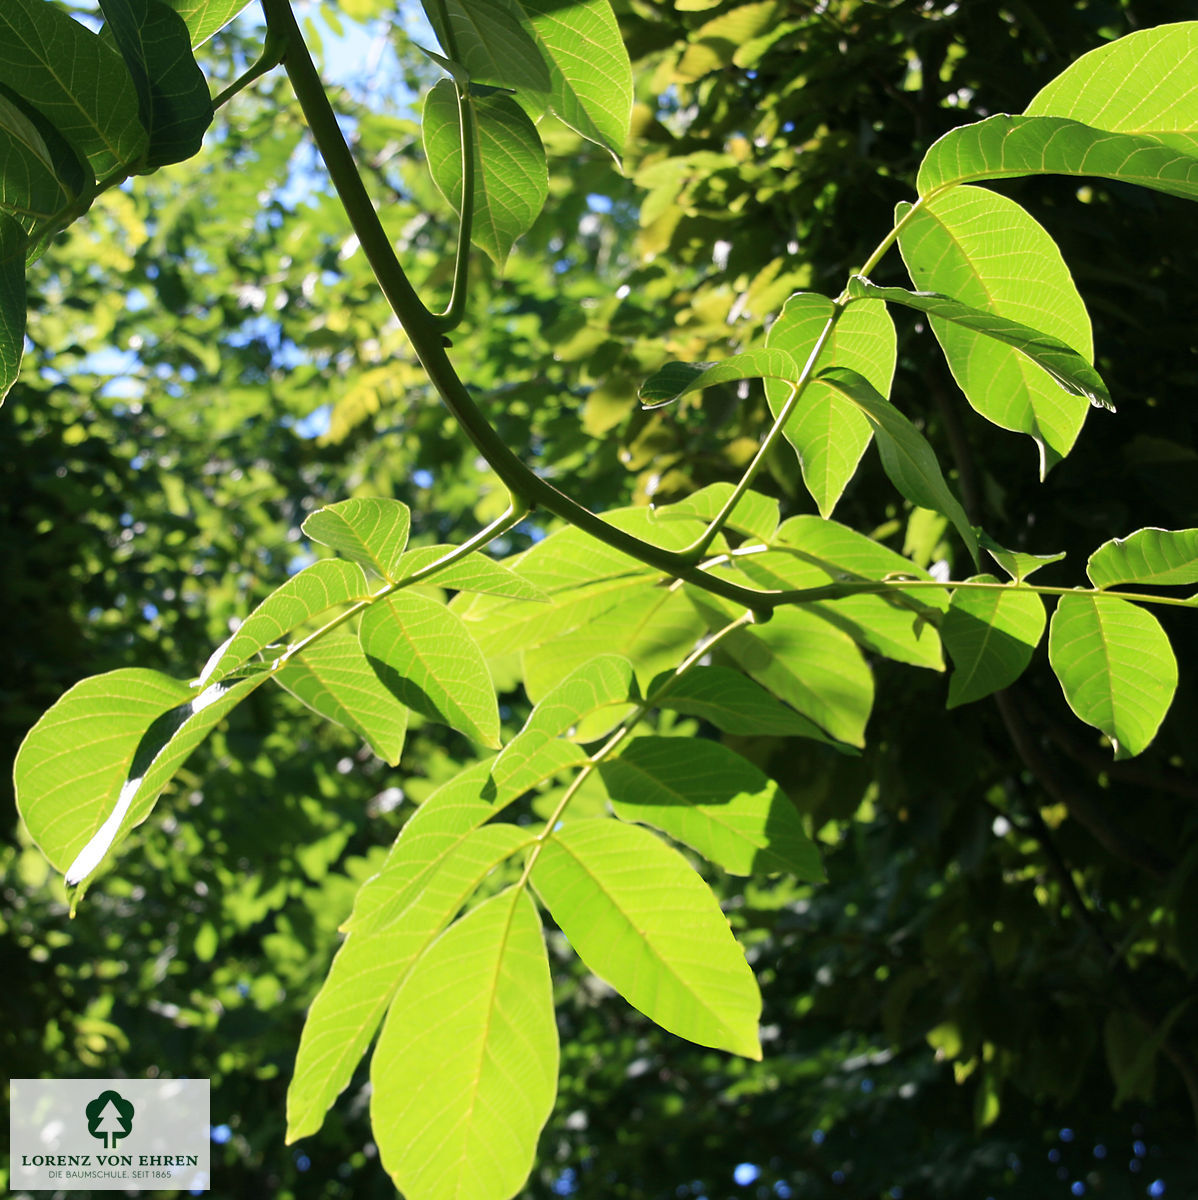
point(109, 1118)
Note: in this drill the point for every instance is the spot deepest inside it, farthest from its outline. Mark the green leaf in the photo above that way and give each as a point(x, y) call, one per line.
point(709, 798)
point(755, 515)
point(987, 252)
point(567, 58)
point(735, 704)
point(435, 830)
point(491, 41)
point(474, 573)
point(1153, 557)
point(1141, 83)
point(511, 180)
point(424, 656)
point(654, 627)
point(812, 666)
point(1068, 369)
point(333, 677)
point(1115, 666)
point(95, 763)
point(590, 73)
point(425, 878)
point(1018, 565)
point(603, 681)
point(990, 636)
point(642, 920)
point(907, 458)
point(465, 1072)
point(678, 379)
point(371, 532)
point(1003, 147)
point(63, 70)
point(330, 583)
point(12, 302)
point(40, 173)
point(203, 18)
point(828, 433)
point(174, 103)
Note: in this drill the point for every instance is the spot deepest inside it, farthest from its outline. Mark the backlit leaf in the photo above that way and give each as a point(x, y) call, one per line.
point(907, 458)
point(465, 1072)
point(812, 666)
point(1155, 557)
point(40, 173)
point(371, 532)
point(1003, 147)
point(986, 251)
point(97, 760)
point(1141, 83)
point(1016, 563)
point(677, 379)
point(712, 800)
point(828, 433)
point(1116, 668)
point(990, 636)
point(1068, 369)
point(642, 920)
point(734, 703)
point(755, 515)
point(511, 180)
point(333, 677)
point(327, 584)
point(205, 17)
point(474, 573)
point(424, 656)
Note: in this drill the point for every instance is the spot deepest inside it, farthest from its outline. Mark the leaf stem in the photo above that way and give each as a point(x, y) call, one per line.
point(271, 56)
point(451, 318)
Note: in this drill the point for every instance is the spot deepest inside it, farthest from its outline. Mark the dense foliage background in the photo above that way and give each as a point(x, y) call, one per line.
point(992, 994)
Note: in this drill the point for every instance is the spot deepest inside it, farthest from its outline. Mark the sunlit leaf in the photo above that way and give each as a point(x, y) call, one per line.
point(709, 798)
point(511, 181)
point(642, 920)
point(812, 666)
point(1155, 557)
point(677, 379)
point(907, 458)
point(97, 760)
point(1140, 83)
point(327, 584)
point(1116, 668)
point(423, 654)
point(1003, 147)
point(371, 532)
point(333, 677)
point(990, 634)
point(828, 433)
point(465, 1072)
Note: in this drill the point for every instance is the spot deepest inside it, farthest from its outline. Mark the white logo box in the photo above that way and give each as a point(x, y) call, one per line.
point(141, 1135)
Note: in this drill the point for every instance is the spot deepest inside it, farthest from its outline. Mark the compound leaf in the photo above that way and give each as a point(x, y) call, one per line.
point(371, 532)
point(1156, 557)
